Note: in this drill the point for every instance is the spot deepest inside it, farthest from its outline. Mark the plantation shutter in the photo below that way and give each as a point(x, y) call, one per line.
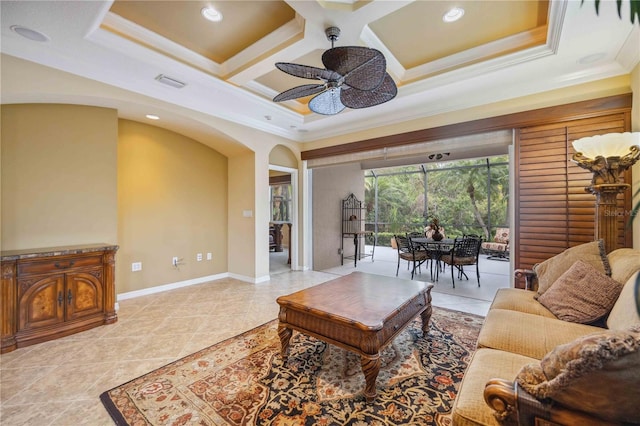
point(554, 212)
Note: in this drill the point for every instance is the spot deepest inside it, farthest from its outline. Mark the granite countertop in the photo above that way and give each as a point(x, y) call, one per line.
point(10, 255)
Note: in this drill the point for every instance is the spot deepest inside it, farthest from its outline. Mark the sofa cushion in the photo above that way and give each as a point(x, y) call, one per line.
point(624, 263)
point(551, 269)
point(469, 407)
point(597, 374)
point(624, 313)
point(515, 299)
point(528, 334)
point(582, 294)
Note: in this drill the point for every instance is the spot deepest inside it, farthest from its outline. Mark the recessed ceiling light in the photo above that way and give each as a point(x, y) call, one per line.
point(29, 33)
point(211, 14)
point(453, 15)
point(152, 117)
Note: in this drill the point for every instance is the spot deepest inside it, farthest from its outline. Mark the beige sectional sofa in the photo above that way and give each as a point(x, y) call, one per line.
point(530, 364)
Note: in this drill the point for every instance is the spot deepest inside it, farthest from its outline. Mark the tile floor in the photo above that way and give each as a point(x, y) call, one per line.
point(59, 382)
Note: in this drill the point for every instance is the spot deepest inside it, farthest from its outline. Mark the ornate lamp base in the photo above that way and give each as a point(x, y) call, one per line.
point(606, 224)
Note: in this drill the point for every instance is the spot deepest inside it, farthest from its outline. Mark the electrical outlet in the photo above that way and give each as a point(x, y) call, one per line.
point(199, 257)
point(209, 256)
point(136, 266)
point(174, 261)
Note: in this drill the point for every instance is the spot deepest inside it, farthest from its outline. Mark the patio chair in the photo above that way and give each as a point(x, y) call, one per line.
point(411, 235)
point(465, 251)
point(498, 249)
point(407, 252)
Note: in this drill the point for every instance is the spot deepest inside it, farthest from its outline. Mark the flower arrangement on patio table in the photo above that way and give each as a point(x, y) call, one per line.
point(434, 224)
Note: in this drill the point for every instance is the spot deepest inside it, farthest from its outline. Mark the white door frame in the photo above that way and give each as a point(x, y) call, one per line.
point(293, 243)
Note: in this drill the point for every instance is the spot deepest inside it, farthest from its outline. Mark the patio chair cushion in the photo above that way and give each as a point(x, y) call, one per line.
point(450, 259)
point(502, 236)
point(415, 255)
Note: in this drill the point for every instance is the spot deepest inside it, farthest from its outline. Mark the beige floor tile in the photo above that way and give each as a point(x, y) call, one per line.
point(58, 383)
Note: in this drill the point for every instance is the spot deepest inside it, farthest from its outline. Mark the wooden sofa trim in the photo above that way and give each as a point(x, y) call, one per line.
point(514, 406)
point(529, 276)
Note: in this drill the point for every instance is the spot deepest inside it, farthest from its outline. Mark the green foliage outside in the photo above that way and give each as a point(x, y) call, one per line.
point(467, 196)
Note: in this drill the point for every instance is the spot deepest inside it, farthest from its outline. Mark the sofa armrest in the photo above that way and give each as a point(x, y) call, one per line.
point(513, 406)
point(500, 395)
point(530, 278)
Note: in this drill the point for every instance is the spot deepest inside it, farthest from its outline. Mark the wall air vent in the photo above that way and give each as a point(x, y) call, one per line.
point(170, 81)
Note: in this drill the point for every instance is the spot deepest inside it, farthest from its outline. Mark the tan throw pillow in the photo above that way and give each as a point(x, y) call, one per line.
point(598, 374)
point(582, 294)
point(550, 270)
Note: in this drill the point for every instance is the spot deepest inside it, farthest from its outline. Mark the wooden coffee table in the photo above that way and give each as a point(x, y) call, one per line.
point(359, 312)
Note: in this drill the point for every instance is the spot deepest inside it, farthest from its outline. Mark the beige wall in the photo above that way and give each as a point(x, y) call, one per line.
point(280, 155)
point(242, 217)
point(172, 201)
point(330, 186)
point(59, 175)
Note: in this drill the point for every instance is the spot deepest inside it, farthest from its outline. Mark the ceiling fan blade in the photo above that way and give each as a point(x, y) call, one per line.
point(354, 98)
point(362, 68)
point(300, 92)
point(327, 102)
point(307, 71)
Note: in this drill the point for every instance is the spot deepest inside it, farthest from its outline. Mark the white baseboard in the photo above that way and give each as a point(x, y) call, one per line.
point(251, 280)
point(171, 286)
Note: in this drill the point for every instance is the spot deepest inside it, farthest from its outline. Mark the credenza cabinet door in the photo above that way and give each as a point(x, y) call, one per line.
point(84, 294)
point(41, 302)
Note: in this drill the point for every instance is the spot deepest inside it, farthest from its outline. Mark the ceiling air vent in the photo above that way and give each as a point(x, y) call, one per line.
point(170, 81)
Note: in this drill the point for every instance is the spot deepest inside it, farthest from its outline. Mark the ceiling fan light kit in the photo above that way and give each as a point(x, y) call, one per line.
point(353, 77)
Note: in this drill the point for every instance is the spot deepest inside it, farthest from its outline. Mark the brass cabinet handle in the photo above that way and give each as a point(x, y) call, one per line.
point(58, 265)
point(60, 299)
point(69, 297)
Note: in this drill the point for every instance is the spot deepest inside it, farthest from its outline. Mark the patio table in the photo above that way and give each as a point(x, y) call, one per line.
point(436, 250)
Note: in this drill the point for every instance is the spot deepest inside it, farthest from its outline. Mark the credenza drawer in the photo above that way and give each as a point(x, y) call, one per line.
point(59, 265)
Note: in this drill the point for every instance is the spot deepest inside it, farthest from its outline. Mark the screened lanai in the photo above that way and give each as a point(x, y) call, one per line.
point(466, 196)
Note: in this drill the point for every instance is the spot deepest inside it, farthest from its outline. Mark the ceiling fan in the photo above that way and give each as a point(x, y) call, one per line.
point(354, 77)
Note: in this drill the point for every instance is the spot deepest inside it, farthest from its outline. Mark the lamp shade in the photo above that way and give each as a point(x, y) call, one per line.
point(609, 145)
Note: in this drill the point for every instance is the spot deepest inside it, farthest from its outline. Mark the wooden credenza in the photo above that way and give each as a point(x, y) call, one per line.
point(53, 292)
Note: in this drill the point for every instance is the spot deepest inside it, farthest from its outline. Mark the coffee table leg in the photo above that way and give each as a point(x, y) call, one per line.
point(370, 368)
point(285, 335)
point(426, 317)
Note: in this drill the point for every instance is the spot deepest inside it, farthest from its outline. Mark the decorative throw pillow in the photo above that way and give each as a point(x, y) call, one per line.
point(582, 294)
point(598, 374)
point(550, 270)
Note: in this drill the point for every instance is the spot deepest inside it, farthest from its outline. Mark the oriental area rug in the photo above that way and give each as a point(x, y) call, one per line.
point(243, 381)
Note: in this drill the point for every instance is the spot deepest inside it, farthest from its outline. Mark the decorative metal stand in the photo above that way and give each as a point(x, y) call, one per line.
point(352, 227)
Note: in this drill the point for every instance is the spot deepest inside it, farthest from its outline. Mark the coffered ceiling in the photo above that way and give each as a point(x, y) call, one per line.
point(498, 50)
